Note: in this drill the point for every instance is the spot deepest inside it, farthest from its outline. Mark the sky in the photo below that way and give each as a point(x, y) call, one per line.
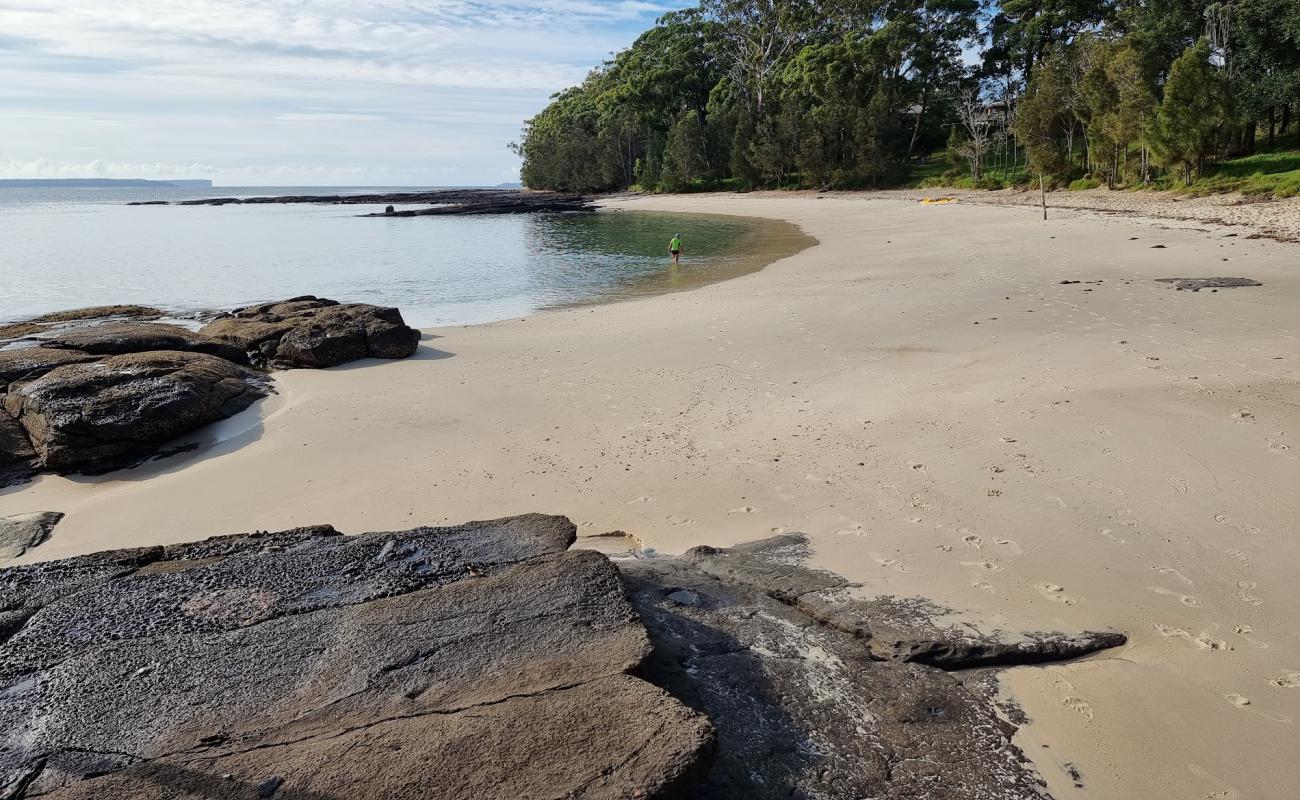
point(291, 92)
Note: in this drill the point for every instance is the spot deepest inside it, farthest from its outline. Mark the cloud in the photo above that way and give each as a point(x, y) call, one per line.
point(293, 88)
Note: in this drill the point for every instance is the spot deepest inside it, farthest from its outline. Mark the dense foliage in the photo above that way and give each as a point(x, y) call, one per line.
point(842, 93)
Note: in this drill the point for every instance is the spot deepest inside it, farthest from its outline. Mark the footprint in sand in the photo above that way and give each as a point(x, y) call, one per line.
point(1246, 593)
point(743, 510)
point(988, 566)
point(1227, 521)
point(1171, 571)
point(892, 563)
point(1290, 680)
point(856, 530)
point(916, 467)
point(675, 520)
point(983, 586)
point(1007, 440)
point(970, 539)
point(1243, 415)
point(1244, 632)
point(1013, 544)
point(1203, 641)
point(1185, 599)
point(1180, 485)
point(1078, 704)
point(1109, 534)
point(641, 500)
point(1240, 701)
point(1055, 593)
point(919, 504)
point(1278, 447)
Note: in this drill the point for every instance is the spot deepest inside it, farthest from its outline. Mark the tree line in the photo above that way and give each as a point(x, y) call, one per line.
point(858, 93)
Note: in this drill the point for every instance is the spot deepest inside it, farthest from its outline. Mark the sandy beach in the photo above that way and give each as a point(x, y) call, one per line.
point(922, 393)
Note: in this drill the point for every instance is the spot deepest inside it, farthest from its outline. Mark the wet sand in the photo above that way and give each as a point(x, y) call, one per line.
point(923, 396)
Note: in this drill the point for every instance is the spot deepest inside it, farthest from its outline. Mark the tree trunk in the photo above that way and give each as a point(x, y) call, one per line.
point(1286, 119)
point(1272, 125)
point(916, 129)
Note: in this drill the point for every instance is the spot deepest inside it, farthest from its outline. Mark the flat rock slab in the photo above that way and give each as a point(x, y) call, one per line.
point(314, 332)
point(482, 661)
point(116, 338)
point(32, 362)
point(22, 532)
point(102, 415)
point(1197, 284)
point(806, 698)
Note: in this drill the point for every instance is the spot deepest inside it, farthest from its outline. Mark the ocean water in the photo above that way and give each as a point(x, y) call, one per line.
point(65, 248)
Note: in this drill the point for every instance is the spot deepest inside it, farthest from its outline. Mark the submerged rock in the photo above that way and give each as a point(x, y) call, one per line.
point(102, 415)
point(480, 661)
point(315, 332)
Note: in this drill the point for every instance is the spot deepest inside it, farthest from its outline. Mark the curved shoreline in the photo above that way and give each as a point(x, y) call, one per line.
point(922, 395)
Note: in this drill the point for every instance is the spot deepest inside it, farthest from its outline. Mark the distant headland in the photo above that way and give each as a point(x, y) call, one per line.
point(87, 183)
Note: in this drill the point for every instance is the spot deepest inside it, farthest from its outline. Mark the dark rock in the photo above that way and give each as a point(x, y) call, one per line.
point(30, 362)
point(473, 662)
point(22, 532)
point(99, 416)
point(315, 332)
point(117, 338)
point(448, 201)
point(17, 456)
point(101, 312)
point(1197, 284)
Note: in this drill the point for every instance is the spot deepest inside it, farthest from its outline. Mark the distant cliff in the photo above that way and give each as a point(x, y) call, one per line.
point(85, 183)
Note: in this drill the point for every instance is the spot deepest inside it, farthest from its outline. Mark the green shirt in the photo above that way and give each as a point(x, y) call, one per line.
point(675, 244)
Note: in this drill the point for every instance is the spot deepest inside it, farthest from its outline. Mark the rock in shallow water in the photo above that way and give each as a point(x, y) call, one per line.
point(102, 415)
point(314, 332)
point(481, 661)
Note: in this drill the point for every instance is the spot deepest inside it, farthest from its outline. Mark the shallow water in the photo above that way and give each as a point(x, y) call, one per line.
point(65, 248)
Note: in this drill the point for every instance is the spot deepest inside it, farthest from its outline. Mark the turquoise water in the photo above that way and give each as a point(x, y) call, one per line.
point(62, 248)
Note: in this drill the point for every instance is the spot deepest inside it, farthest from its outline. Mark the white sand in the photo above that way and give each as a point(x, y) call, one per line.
point(1125, 457)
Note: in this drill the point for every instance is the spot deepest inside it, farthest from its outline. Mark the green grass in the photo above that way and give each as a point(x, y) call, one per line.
point(1270, 174)
point(1273, 174)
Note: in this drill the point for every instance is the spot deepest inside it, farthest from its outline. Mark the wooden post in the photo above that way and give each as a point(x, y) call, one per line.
point(1042, 191)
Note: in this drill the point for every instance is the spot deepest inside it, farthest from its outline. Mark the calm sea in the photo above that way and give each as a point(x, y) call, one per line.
point(65, 248)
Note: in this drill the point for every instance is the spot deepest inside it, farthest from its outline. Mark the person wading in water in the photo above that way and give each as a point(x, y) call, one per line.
point(675, 248)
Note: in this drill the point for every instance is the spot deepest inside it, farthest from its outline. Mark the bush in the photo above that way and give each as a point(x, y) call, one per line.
point(1084, 184)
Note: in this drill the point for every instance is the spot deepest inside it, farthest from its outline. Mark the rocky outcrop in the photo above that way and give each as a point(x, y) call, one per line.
point(101, 415)
point(479, 661)
point(117, 338)
point(803, 708)
point(21, 532)
point(314, 332)
point(445, 201)
point(114, 410)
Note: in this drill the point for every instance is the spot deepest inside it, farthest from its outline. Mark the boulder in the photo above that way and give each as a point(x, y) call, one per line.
point(30, 362)
point(21, 532)
point(102, 415)
point(482, 661)
point(315, 332)
point(115, 338)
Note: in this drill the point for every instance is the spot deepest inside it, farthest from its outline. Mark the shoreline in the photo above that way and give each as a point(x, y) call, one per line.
point(844, 392)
